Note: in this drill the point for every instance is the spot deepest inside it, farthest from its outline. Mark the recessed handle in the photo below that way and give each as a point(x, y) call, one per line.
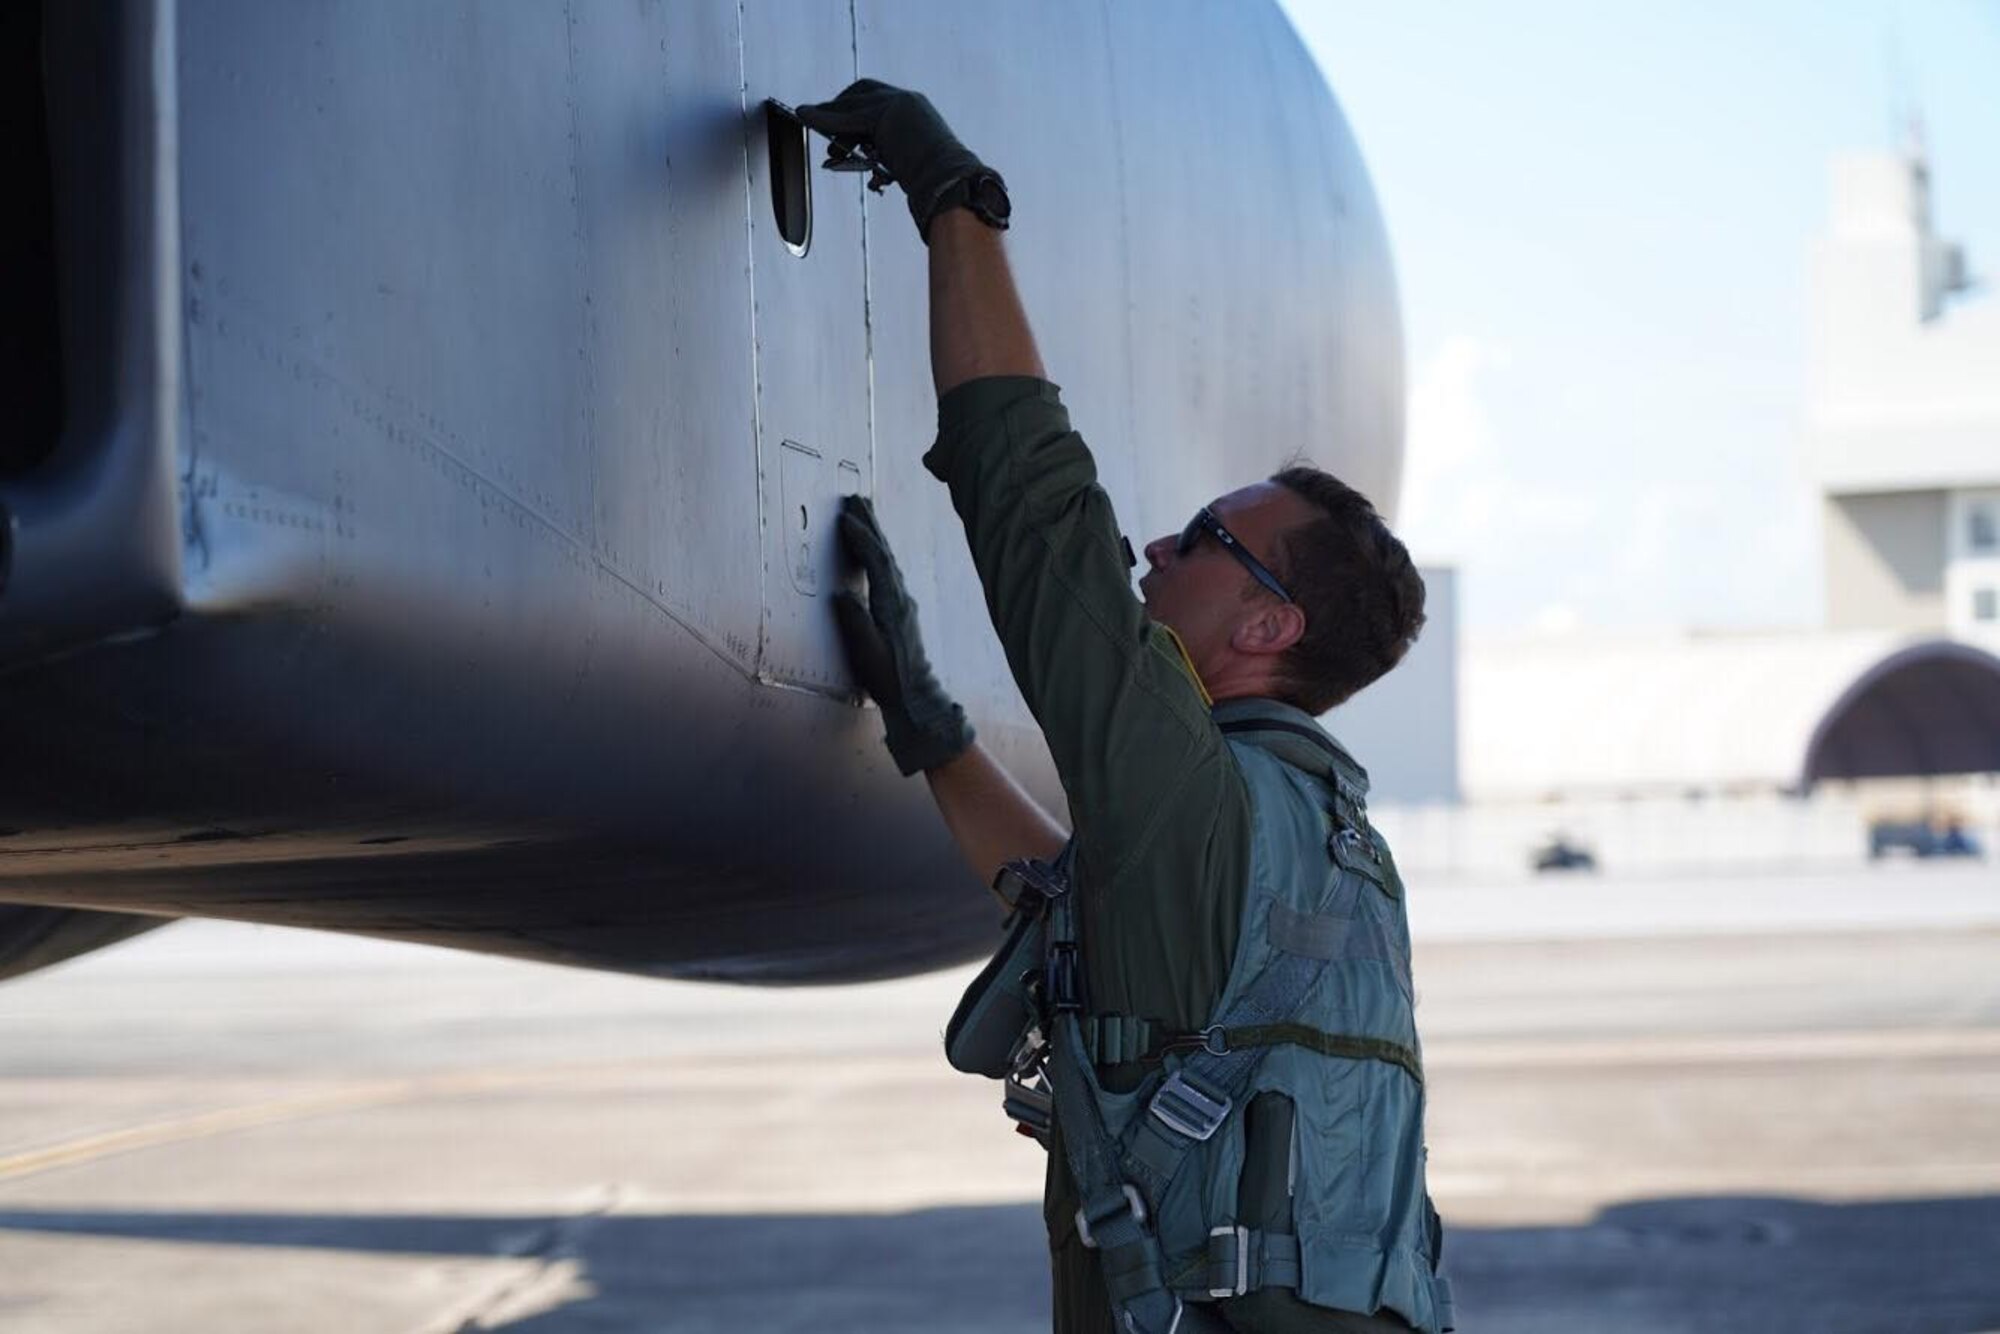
point(791, 176)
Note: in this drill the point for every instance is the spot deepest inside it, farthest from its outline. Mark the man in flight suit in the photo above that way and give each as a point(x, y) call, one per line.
point(1287, 595)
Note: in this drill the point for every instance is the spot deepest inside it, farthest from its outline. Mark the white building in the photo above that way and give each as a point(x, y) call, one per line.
point(1645, 715)
point(1682, 747)
point(1903, 422)
point(1904, 413)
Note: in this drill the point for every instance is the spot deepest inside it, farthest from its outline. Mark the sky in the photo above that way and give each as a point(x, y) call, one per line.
point(1601, 215)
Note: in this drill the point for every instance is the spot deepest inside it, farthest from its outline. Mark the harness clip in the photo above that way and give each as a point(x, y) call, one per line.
point(1188, 1110)
point(1030, 1054)
point(1028, 886)
point(1135, 1204)
point(1031, 1107)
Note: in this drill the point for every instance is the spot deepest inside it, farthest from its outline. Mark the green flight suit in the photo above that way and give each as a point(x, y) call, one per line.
point(1158, 807)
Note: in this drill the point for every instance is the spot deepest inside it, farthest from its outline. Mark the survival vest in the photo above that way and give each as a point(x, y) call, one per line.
point(1282, 1144)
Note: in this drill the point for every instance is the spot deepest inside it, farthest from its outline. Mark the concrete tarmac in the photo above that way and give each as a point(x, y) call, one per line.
point(1764, 1103)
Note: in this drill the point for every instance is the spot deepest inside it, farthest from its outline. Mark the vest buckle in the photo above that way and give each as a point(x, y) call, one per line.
point(1030, 1106)
point(1134, 1206)
point(1188, 1110)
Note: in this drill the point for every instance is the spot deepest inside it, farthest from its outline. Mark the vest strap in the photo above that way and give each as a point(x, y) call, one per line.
point(1131, 1270)
point(1242, 1260)
point(1112, 1215)
point(1346, 1045)
point(1158, 1141)
point(1349, 798)
point(1235, 1261)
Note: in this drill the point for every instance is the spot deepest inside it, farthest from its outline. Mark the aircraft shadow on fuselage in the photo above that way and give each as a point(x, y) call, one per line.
point(1717, 1264)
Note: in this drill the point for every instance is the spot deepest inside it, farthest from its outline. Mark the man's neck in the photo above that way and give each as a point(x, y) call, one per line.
point(1226, 685)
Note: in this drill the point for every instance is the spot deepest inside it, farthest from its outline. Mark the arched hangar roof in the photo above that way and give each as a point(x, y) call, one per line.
point(1929, 708)
point(1637, 713)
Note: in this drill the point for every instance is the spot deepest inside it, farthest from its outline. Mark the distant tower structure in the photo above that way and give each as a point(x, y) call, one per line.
point(1903, 410)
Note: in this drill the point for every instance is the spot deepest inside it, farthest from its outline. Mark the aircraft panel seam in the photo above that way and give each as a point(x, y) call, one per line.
point(580, 235)
point(756, 665)
point(1125, 230)
point(867, 277)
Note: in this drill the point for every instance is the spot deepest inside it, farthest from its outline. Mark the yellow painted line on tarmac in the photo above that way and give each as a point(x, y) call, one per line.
point(225, 1120)
point(697, 1075)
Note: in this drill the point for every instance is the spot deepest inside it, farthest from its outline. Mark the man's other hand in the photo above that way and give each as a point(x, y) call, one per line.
point(904, 133)
point(922, 726)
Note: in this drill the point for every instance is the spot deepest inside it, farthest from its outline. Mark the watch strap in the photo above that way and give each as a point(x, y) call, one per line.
point(983, 193)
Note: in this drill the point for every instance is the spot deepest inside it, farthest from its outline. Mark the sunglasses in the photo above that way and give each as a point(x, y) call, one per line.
point(1204, 521)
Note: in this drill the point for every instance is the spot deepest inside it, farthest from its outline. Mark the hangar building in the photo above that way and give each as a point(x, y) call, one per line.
point(1690, 749)
point(1903, 422)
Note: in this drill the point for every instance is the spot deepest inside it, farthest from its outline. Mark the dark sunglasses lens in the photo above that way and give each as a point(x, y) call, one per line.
point(1189, 536)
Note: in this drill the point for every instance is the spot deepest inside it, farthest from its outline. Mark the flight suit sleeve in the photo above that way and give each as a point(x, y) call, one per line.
point(1124, 718)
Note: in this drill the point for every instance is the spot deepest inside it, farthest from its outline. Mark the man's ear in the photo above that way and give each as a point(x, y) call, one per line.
point(1272, 630)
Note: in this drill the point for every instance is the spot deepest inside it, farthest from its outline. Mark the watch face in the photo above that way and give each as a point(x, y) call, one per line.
point(990, 197)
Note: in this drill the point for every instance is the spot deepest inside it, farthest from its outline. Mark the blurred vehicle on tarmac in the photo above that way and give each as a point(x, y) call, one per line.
point(1561, 853)
point(1930, 836)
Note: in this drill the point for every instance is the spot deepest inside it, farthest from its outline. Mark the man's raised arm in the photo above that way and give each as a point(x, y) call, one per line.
point(960, 206)
point(978, 327)
point(1126, 723)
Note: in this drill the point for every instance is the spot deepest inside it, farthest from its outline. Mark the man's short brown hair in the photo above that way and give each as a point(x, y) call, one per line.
point(1362, 597)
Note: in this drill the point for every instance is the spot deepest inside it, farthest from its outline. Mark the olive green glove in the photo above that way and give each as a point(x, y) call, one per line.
point(905, 136)
point(923, 726)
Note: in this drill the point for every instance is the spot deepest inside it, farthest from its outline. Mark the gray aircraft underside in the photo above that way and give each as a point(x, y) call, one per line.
point(424, 526)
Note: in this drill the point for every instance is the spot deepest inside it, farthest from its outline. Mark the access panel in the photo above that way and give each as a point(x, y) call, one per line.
point(810, 322)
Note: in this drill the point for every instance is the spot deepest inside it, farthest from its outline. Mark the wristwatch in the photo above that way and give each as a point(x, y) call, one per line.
point(984, 193)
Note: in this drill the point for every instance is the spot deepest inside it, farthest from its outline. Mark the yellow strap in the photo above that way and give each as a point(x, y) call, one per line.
point(1188, 662)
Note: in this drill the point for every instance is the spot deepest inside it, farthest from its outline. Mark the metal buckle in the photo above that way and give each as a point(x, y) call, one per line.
point(1029, 1106)
point(1024, 1096)
point(1240, 1268)
point(1135, 1203)
point(1043, 878)
point(1214, 1040)
point(1029, 1054)
point(1352, 851)
point(1028, 886)
point(1188, 1110)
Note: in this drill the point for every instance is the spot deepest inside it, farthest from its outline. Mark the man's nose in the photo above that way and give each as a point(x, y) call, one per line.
point(1158, 551)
